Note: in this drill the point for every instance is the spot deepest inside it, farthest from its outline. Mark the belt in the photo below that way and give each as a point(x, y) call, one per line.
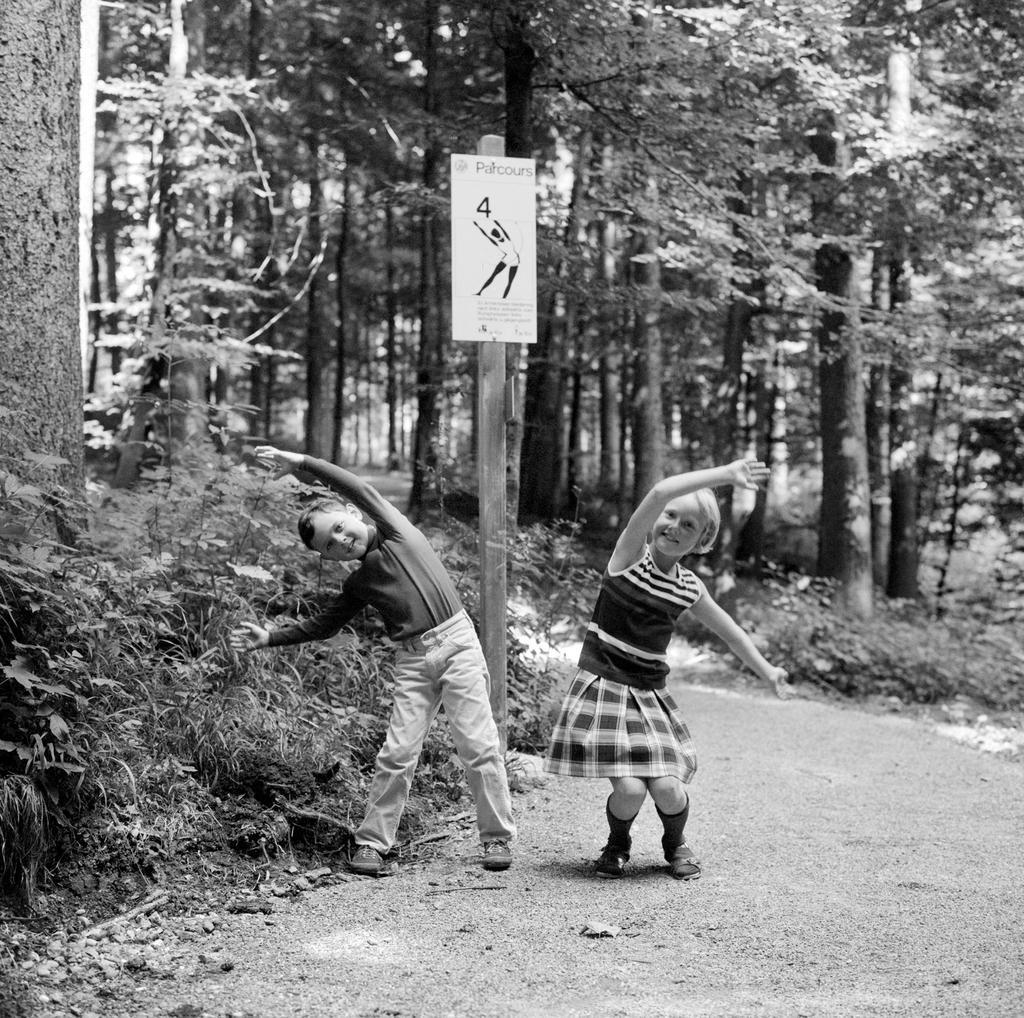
point(432, 637)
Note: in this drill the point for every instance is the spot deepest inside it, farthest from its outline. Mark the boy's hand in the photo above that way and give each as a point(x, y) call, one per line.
point(248, 636)
point(748, 474)
point(780, 680)
point(284, 462)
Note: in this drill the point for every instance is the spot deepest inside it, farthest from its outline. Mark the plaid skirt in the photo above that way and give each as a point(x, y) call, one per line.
point(610, 730)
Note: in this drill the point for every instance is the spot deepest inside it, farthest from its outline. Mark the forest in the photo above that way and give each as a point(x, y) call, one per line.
point(786, 229)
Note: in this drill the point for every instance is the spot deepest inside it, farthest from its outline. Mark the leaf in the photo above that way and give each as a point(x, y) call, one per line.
point(32, 682)
point(598, 929)
point(59, 727)
point(46, 461)
point(253, 572)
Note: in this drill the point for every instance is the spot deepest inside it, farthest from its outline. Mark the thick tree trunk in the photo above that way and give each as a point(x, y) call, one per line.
point(844, 533)
point(40, 351)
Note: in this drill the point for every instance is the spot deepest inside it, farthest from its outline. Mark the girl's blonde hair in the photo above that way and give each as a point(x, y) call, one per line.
point(710, 517)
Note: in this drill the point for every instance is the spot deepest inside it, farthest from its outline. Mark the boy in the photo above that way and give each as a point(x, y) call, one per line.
point(440, 660)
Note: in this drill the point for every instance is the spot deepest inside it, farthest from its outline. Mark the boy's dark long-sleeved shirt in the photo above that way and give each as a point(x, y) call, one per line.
point(400, 575)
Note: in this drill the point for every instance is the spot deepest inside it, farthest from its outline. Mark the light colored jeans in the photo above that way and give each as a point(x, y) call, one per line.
point(443, 666)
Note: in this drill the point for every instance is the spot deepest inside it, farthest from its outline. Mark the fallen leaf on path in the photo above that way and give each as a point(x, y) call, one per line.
point(596, 929)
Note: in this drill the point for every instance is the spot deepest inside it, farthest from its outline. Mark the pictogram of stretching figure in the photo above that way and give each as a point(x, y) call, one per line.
point(500, 238)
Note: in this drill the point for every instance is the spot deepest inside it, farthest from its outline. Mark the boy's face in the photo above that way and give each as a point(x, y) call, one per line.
point(679, 528)
point(339, 536)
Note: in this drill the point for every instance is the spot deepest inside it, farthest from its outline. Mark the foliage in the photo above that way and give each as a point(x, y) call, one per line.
point(126, 711)
point(905, 652)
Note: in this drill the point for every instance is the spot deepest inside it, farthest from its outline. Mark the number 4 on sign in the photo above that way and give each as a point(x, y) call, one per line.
point(484, 208)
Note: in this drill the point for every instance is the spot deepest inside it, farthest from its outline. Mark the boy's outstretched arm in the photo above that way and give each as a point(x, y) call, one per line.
point(248, 636)
point(740, 473)
point(284, 462)
point(722, 624)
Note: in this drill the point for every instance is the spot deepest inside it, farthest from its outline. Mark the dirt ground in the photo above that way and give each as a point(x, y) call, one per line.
point(855, 864)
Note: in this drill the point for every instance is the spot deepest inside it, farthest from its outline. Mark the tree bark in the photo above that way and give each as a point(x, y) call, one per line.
point(430, 358)
point(343, 312)
point(647, 417)
point(903, 554)
point(319, 416)
point(40, 350)
point(187, 371)
point(520, 62)
point(844, 533)
point(877, 426)
point(394, 457)
point(542, 488)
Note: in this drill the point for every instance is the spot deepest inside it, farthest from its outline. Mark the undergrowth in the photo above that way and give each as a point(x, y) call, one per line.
point(904, 651)
point(130, 732)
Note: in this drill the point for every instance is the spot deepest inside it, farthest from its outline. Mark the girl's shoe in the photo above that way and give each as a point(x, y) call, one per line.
point(683, 864)
point(612, 862)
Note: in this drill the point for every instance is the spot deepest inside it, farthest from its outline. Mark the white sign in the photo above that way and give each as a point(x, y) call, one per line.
point(494, 249)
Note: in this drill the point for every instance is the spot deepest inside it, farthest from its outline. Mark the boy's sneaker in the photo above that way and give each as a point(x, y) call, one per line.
point(497, 855)
point(366, 860)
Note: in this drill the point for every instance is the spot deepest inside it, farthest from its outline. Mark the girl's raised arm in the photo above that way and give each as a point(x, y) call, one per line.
point(630, 545)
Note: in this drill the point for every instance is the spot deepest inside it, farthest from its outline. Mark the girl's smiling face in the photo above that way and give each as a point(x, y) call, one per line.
point(339, 536)
point(678, 529)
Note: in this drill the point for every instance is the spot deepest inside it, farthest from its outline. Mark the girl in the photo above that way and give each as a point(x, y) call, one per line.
point(618, 721)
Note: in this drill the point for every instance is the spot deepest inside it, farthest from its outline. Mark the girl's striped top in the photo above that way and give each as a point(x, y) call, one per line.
point(633, 621)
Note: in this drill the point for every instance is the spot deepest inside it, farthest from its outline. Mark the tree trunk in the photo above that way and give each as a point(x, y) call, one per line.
point(430, 360)
point(903, 556)
point(40, 350)
point(737, 506)
point(88, 282)
point(394, 458)
point(734, 341)
point(877, 425)
point(341, 299)
point(648, 429)
point(542, 488)
point(844, 533)
point(187, 373)
point(520, 62)
point(609, 365)
point(319, 416)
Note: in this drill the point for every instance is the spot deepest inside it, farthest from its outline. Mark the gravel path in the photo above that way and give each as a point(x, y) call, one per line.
point(855, 865)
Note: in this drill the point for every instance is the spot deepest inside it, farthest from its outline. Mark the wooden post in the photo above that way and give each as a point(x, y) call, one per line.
point(491, 469)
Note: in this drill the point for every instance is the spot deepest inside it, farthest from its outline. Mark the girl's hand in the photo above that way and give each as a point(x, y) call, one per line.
point(779, 678)
point(248, 636)
point(284, 462)
point(748, 474)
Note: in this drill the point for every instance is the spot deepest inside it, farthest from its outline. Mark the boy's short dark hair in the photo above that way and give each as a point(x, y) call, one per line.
point(321, 505)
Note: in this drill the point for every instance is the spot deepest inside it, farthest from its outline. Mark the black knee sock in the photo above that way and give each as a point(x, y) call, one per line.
point(673, 824)
point(618, 836)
